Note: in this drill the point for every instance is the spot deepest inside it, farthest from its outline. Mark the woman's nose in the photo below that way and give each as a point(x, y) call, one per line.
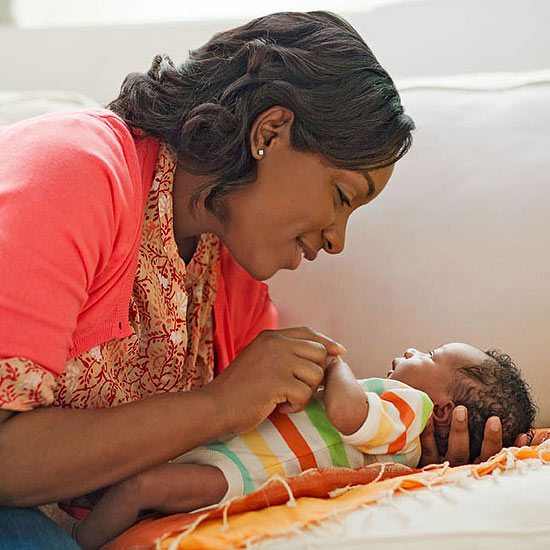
point(409, 352)
point(334, 238)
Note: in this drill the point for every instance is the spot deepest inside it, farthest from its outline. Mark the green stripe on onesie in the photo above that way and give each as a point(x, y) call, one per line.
point(328, 432)
point(427, 407)
point(221, 448)
point(375, 385)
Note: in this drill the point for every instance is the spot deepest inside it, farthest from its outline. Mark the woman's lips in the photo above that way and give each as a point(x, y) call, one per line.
point(297, 257)
point(308, 252)
point(302, 250)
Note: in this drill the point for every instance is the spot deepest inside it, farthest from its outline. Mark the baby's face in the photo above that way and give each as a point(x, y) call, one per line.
point(433, 371)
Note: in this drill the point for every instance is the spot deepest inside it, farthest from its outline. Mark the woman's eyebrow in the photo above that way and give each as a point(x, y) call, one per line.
point(370, 183)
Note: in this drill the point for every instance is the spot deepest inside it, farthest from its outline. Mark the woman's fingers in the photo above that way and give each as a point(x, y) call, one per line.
point(307, 376)
point(306, 333)
point(309, 372)
point(299, 392)
point(537, 436)
point(458, 451)
point(492, 438)
point(430, 453)
point(309, 350)
point(279, 368)
point(522, 440)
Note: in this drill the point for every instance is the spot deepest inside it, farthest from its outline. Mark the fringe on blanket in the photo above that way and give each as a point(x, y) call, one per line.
point(314, 496)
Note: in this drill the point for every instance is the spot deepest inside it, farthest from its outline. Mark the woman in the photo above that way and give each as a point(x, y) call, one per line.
point(133, 242)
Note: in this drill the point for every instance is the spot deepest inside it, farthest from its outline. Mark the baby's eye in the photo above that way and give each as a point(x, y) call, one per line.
point(431, 354)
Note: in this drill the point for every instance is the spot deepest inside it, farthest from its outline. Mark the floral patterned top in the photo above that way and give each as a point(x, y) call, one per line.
point(171, 345)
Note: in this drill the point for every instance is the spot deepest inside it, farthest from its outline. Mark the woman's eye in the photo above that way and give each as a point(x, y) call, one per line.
point(343, 198)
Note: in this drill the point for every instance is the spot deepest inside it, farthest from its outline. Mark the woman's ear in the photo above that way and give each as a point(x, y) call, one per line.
point(273, 124)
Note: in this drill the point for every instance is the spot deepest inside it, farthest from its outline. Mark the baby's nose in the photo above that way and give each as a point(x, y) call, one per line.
point(409, 352)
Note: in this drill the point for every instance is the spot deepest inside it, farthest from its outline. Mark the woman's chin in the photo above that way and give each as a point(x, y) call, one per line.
point(259, 271)
point(263, 267)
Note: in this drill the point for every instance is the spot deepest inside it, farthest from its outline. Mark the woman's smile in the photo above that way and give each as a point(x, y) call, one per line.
point(295, 198)
point(298, 204)
point(298, 254)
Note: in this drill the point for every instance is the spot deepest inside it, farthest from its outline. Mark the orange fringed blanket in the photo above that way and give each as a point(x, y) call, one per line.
point(320, 494)
point(317, 483)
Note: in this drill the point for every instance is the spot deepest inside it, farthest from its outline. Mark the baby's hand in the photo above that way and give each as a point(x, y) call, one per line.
point(333, 360)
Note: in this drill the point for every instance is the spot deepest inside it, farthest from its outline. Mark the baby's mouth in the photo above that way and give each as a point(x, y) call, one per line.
point(393, 365)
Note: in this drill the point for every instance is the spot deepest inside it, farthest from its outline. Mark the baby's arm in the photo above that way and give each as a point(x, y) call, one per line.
point(167, 488)
point(345, 401)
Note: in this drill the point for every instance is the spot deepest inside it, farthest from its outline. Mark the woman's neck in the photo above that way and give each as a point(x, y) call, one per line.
point(189, 223)
point(187, 247)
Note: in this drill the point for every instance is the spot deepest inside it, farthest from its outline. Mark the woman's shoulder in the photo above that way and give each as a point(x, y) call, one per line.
point(74, 172)
point(69, 131)
point(91, 152)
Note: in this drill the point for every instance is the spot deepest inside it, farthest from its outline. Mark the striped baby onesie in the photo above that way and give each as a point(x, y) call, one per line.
point(290, 444)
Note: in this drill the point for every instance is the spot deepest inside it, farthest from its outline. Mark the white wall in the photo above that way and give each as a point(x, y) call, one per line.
point(435, 37)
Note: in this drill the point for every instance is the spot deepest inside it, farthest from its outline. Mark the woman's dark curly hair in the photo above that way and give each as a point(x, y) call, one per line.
point(494, 388)
point(345, 104)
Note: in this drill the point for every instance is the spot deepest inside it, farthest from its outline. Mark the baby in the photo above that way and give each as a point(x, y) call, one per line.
point(486, 383)
point(349, 423)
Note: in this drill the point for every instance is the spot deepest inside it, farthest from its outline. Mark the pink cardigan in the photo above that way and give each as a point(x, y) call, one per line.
point(73, 189)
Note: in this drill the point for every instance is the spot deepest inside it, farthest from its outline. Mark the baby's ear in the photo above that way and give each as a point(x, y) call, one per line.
point(442, 414)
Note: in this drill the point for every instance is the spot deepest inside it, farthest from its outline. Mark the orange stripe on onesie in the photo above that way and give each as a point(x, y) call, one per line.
point(406, 415)
point(294, 439)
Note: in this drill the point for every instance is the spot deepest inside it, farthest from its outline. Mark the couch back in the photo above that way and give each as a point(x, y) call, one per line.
point(456, 247)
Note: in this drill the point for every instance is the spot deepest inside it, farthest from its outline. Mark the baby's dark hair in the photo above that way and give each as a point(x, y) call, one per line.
point(494, 388)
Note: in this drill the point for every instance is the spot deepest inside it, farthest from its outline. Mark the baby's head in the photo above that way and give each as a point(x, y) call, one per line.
point(487, 383)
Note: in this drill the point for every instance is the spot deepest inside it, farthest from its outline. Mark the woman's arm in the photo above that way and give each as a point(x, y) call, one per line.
point(345, 402)
point(50, 454)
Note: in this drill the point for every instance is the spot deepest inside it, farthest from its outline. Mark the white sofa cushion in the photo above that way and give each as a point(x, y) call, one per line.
point(18, 105)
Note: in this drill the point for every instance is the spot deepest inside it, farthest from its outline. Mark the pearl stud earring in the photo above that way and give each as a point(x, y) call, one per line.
point(260, 152)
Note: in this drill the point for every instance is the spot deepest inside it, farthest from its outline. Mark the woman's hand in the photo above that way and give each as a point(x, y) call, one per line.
point(458, 450)
point(82, 450)
point(278, 368)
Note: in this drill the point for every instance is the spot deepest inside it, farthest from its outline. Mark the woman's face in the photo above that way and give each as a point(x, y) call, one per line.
point(297, 206)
